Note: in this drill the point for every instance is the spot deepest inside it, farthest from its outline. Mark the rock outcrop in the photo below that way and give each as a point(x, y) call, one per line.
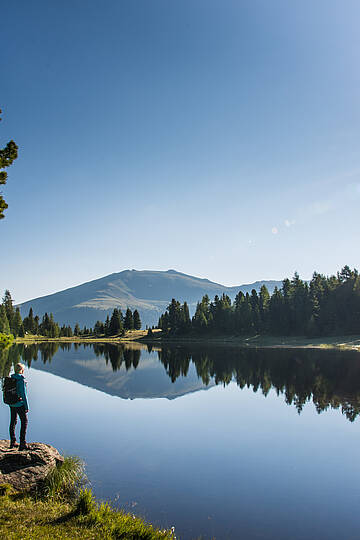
point(26, 470)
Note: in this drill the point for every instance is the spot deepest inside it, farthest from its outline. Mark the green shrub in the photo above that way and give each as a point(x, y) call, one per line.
point(86, 503)
point(66, 480)
point(116, 523)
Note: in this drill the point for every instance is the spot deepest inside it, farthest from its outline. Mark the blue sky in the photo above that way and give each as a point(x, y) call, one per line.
point(219, 138)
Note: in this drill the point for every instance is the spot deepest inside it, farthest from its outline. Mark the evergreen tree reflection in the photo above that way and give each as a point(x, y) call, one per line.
point(330, 379)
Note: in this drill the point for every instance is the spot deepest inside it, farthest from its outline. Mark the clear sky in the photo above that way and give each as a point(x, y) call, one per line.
point(216, 137)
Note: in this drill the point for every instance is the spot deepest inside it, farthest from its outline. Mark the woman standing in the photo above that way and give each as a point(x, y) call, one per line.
point(20, 408)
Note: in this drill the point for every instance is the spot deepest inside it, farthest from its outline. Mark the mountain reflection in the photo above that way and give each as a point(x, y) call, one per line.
point(328, 378)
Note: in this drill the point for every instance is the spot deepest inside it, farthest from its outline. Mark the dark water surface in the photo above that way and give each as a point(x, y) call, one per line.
point(219, 442)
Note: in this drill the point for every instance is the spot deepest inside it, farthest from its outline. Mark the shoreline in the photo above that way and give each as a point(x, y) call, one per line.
point(351, 342)
point(57, 502)
point(266, 342)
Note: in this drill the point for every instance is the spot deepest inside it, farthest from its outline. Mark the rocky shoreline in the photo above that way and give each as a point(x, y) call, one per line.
point(26, 470)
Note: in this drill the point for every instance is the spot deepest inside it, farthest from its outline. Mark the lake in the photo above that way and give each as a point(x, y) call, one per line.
point(217, 441)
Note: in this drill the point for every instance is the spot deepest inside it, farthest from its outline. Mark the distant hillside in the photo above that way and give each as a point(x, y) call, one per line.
point(147, 291)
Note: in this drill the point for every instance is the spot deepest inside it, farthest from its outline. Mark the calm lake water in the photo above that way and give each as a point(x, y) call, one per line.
point(219, 442)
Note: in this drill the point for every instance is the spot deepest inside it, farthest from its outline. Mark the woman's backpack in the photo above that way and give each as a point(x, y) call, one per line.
point(10, 395)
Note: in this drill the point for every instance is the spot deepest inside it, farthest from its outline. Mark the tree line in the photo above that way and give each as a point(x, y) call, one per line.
point(324, 306)
point(118, 323)
point(11, 322)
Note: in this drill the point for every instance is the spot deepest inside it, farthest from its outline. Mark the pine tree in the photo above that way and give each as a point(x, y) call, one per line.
point(115, 326)
point(203, 315)
point(21, 332)
point(137, 321)
point(51, 327)
point(255, 310)
point(238, 307)
point(107, 326)
point(129, 321)
point(264, 302)
point(247, 314)
point(77, 330)
point(7, 156)
point(301, 305)
point(36, 324)
point(9, 308)
point(18, 324)
point(44, 328)
point(163, 323)
point(221, 311)
point(186, 321)
point(175, 316)
point(276, 312)
point(29, 323)
point(4, 323)
point(99, 328)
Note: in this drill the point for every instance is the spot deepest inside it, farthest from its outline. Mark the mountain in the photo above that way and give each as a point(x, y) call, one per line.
point(147, 291)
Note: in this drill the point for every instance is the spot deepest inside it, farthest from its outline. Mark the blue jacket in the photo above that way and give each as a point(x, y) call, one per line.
point(21, 390)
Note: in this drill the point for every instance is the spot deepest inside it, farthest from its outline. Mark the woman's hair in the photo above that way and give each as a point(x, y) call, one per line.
point(19, 367)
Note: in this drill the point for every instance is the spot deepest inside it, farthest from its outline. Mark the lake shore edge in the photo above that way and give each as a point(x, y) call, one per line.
point(351, 342)
point(54, 503)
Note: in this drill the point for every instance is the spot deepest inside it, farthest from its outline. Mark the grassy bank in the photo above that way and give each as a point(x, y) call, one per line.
point(60, 510)
point(30, 519)
point(130, 336)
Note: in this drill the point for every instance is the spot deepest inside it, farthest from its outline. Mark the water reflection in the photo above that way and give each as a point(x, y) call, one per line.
point(327, 378)
point(118, 355)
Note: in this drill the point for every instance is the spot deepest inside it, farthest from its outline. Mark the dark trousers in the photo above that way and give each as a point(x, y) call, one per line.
point(14, 411)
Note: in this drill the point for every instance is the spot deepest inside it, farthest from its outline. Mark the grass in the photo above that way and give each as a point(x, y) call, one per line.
point(130, 336)
point(64, 481)
point(115, 524)
point(62, 509)
point(267, 341)
point(263, 341)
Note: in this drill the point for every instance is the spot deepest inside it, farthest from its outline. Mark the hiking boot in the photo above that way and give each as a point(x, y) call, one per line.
point(23, 446)
point(14, 444)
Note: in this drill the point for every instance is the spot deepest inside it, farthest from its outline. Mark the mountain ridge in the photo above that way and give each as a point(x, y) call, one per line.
point(149, 291)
